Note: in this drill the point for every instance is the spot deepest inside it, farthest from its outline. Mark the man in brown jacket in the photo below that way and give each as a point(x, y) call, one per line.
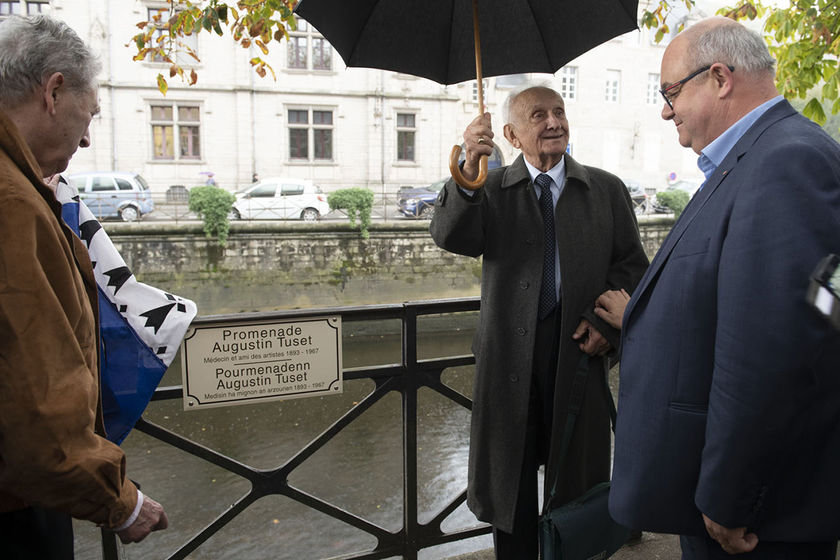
point(54, 462)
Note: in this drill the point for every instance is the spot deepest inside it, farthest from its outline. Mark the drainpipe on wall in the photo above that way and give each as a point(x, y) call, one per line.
point(113, 123)
point(382, 140)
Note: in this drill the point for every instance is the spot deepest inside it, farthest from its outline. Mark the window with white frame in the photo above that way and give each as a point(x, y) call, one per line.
point(310, 134)
point(307, 49)
point(613, 85)
point(568, 83)
point(23, 7)
point(406, 132)
point(176, 131)
point(653, 97)
point(160, 14)
point(474, 96)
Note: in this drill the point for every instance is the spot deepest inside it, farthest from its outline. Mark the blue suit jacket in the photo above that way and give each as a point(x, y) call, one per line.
point(729, 399)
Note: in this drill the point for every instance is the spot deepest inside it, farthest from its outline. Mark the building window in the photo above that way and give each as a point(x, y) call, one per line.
point(297, 51)
point(307, 50)
point(23, 7)
point(612, 86)
point(568, 83)
point(310, 134)
point(176, 131)
point(653, 97)
point(184, 44)
point(405, 136)
point(42, 7)
point(474, 96)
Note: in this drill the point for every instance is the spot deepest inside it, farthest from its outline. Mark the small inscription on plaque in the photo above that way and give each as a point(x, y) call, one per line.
point(228, 364)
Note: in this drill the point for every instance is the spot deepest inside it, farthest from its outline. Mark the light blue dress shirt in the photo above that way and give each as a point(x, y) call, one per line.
point(558, 181)
point(712, 155)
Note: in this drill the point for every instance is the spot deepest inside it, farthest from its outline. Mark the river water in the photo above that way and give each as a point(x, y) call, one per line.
point(360, 470)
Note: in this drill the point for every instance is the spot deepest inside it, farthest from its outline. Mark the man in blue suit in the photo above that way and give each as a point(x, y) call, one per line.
point(729, 405)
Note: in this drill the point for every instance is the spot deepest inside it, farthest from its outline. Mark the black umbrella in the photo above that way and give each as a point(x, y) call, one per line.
point(439, 39)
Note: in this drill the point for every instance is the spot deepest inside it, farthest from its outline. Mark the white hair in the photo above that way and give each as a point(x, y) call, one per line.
point(32, 48)
point(507, 107)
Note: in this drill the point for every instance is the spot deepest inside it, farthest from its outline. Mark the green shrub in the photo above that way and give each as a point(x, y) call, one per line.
point(676, 200)
point(213, 205)
point(355, 201)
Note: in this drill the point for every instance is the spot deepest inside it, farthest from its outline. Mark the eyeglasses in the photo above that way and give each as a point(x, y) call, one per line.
point(669, 97)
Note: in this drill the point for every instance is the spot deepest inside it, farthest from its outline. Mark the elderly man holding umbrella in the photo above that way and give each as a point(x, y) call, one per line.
point(528, 343)
point(553, 234)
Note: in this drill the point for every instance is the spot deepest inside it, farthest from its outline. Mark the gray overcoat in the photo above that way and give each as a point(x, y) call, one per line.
point(599, 249)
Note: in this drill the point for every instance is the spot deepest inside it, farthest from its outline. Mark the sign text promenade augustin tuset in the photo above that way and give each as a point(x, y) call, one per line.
point(226, 364)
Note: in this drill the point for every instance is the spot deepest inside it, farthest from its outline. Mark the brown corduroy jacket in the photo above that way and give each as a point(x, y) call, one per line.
point(51, 452)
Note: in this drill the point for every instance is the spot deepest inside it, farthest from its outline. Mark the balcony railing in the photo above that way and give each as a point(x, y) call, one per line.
point(406, 378)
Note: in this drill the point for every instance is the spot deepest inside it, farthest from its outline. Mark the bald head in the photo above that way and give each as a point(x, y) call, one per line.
point(713, 74)
point(720, 39)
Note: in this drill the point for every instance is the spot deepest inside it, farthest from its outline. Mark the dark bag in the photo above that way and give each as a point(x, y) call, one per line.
point(583, 528)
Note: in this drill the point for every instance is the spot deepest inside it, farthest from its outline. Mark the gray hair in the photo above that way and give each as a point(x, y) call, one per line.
point(733, 45)
point(33, 48)
point(507, 107)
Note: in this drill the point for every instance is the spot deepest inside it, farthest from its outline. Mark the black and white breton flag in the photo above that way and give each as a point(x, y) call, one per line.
point(141, 327)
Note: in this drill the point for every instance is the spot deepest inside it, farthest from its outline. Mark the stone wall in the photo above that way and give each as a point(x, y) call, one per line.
point(265, 267)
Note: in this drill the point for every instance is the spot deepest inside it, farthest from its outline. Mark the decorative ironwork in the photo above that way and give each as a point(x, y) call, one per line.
point(407, 378)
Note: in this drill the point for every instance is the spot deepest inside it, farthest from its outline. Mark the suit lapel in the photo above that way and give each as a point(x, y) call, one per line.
point(779, 111)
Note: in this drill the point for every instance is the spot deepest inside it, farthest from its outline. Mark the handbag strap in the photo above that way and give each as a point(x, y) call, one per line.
point(575, 402)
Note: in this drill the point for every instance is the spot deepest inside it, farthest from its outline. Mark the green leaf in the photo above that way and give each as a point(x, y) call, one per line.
point(162, 85)
point(814, 111)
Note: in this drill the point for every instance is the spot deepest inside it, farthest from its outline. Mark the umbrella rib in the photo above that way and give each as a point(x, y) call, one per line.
point(362, 28)
point(449, 39)
point(632, 17)
point(542, 35)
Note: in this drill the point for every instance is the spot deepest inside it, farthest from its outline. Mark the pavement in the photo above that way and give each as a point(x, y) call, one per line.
point(652, 546)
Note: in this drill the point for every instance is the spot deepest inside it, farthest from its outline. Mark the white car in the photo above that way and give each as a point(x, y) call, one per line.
point(277, 198)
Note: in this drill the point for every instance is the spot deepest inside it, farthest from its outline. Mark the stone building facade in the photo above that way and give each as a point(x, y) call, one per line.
point(336, 126)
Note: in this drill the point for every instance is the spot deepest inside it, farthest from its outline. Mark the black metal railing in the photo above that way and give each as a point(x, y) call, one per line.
point(406, 378)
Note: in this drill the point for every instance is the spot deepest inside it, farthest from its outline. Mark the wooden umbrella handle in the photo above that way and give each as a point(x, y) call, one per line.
point(455, 170)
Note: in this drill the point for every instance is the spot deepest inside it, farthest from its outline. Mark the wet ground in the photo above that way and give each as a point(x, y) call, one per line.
point(653, 546)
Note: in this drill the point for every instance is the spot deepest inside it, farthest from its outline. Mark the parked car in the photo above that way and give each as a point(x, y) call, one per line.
point(278, 198)
point(638, 196)
point(111, 194)
point(419, 202)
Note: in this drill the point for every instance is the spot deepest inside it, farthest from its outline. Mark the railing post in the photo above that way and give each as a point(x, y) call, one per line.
point(409, 398)
point(109, 545)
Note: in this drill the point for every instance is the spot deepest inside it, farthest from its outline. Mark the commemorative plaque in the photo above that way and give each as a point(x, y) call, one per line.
point(237, 363)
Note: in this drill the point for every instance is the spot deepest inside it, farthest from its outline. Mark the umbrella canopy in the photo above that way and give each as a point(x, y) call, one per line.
point(434, 39)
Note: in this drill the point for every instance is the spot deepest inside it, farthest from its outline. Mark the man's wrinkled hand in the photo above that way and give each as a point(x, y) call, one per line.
point(733, 541)
point(151, 518)
point(478, 141)
point(592, 342)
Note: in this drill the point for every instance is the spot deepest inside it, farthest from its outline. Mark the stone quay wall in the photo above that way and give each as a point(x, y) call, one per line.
point(282, 265)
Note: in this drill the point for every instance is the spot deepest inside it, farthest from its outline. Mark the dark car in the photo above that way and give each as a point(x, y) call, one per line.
point(419, 202)
point(638, 196)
